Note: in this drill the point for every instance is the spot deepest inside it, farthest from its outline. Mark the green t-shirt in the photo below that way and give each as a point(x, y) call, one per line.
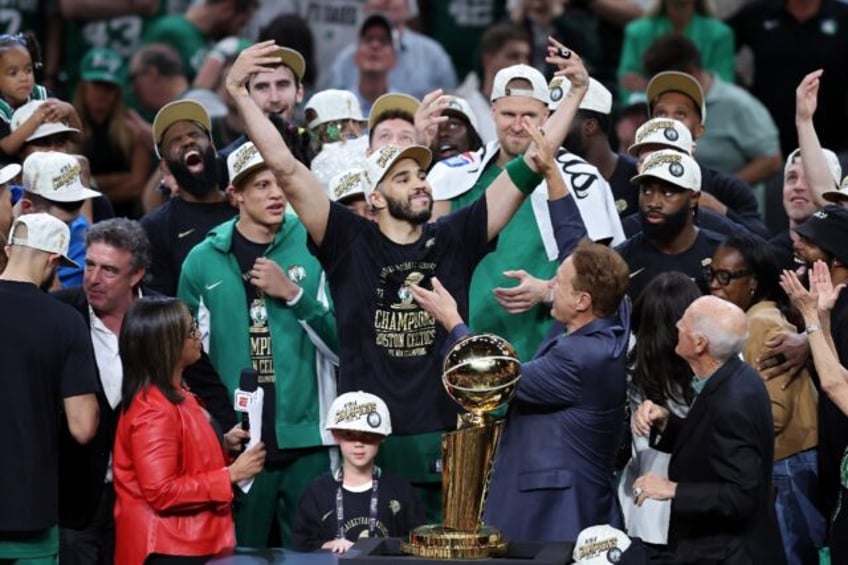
point(519, 247)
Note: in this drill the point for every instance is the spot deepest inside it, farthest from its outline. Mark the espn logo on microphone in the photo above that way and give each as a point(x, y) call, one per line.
point(242, 401)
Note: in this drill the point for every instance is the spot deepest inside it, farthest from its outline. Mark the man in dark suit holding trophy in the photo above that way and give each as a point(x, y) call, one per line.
point(553, 472)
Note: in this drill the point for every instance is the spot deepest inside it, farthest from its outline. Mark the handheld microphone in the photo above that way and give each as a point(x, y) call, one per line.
point(248, 383)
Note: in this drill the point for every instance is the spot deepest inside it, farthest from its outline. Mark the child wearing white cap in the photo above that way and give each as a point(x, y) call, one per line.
point(358, 500)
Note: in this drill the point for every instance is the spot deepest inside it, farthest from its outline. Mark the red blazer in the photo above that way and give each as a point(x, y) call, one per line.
point(172, 487)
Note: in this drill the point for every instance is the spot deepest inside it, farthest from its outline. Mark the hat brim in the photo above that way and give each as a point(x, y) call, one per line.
point(834, 196)
point(178, 111)
point(235, 180)
point(9, 172)
point(672, 81)
point(76, 195)
point(641, 177)
point(292, 59)
point(418, 153)
point(51, 128)
point(393, 101)
point(104, 76)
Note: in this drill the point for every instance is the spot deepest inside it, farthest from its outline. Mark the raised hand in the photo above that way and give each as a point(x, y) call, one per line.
point(569, 65)
point(257, 58)
point(428, 116)
point(806, 96)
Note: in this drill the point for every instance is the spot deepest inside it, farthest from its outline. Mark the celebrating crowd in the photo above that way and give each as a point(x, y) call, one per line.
point(239, 237)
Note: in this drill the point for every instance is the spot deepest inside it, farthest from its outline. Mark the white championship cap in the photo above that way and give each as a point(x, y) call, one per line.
point(597, 97)
point(673, 167)
point(600, 545)
point(379, 163)
point(538, 84)
point(45, 129)
point(332, 105)
point(662, 132)
point(360, 412)
point(243, 161)
point(55, 176)
point(347, 185)
point(43, 232)
point(829, 156)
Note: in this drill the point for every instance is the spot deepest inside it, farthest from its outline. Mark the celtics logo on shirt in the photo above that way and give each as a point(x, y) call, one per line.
point(258, 315)
point(402, 327)
point(296, 273)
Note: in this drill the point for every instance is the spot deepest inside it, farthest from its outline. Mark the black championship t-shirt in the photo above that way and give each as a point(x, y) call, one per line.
point(389, 345)
point(46, 356)
point(646, 261)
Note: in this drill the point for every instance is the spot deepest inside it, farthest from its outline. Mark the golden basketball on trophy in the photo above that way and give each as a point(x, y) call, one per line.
point(481, 373)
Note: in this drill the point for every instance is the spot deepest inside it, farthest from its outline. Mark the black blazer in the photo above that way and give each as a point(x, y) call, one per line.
point(721, 458)
point(82, 468)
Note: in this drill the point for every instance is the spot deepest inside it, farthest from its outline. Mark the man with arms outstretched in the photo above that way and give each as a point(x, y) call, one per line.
point(389, 345)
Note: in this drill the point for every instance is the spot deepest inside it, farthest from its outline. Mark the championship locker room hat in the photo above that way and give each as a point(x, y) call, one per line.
point(291, 59)
point(836, 196)
point(389, 102)
point(674, 81)
point(829, 156)
point(827, 228)
point(673, 167)
point(43, 232)
point(379, 163)
point(332, 105)
point(597, 98)
point(538, 84)
point(360, 412)
point(243, 161)
point(662, 132)
point(9, 172)
point(45, 129)
point(347, 185)
point(178, 111)
point(55, 176)
point(604, 545)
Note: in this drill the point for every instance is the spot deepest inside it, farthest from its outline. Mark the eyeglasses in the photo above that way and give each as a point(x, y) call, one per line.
point(724, 276)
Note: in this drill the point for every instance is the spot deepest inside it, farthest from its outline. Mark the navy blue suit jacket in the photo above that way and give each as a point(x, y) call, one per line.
point(553, 472)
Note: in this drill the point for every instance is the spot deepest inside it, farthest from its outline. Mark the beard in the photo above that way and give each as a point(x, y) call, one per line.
point(574, 143)
point(667, 229)
point(197, 184)
point(402, 210)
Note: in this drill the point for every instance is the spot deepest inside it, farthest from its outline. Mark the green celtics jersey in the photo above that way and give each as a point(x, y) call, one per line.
point(182, 35)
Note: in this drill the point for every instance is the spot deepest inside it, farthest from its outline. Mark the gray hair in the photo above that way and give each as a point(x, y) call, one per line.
point(723, 324)
point(125, 234)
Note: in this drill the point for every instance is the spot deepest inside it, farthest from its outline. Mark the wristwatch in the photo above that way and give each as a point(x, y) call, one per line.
point(812, 328)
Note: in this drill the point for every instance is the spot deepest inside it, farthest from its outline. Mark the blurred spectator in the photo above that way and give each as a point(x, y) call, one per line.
point(790, 39)
point(193, 33)
point(576, 29)
point(115, 144)
point(501, 46)
point(630, 118)
point(422, 66)
point(691, 18)
point(742, 139)
point(375, 57)
point(458, 26)
point(85, 24)
point(156, 77)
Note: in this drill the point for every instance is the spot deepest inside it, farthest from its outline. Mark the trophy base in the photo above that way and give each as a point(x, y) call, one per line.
point(435, 541)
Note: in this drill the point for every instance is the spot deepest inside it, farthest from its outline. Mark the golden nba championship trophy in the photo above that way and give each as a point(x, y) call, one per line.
point(481, 374)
